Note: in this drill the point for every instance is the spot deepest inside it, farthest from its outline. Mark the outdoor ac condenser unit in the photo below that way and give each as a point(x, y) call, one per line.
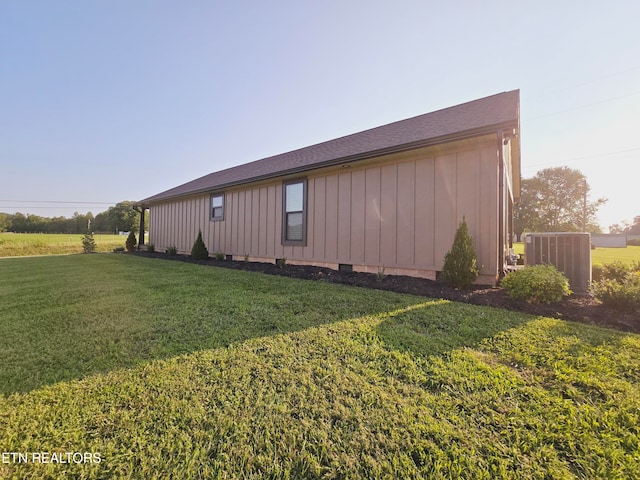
point(568, 252)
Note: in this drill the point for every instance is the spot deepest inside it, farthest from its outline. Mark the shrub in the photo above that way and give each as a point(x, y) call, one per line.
point(597, 272)
point(634, 242)
point(460, 263)
point(537, 284)
point(88, 243)
point(118, 249)
point(281, 262)
point(131, 242)
point(219, 256)
point(616, 271)
point(151, 247)
point(621, 294)
point(199, 250)
point(173, 250)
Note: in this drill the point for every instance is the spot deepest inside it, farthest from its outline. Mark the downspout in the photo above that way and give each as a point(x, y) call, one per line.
point(501, 271)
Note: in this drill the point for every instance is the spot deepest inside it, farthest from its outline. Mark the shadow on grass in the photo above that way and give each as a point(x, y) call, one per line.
point(445, 326)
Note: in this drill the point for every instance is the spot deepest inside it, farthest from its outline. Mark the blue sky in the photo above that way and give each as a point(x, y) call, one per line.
point(105, 101)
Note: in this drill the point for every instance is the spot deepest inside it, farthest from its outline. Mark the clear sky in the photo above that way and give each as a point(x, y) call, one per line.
point(112, 100)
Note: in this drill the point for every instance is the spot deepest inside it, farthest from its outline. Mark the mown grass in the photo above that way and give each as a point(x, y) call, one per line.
point(602, 255)
point(226, 374)
point(27, 244)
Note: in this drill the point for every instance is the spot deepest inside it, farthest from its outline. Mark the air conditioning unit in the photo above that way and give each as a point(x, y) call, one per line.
point(568, 252)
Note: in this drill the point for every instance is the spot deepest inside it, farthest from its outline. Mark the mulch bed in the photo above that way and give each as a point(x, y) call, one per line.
point(577, 308)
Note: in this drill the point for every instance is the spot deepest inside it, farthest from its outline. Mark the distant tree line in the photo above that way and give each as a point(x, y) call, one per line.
point(626, 227)
point(121, 217)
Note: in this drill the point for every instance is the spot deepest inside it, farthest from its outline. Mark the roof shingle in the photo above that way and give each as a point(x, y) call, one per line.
point(467, 119)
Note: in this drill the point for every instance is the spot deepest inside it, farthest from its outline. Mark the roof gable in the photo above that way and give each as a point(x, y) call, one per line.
point(465, 120)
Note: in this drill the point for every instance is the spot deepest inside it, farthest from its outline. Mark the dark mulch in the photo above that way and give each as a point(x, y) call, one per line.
point(578, 308)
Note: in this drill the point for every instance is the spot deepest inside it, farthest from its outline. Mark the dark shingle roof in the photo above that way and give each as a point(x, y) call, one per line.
point(468, 119)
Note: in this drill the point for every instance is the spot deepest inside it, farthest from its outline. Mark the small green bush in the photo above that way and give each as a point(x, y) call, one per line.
point(151, 247)
point(281, 262)
point(199, 250)
point(537, 284)
point(616, 271)
point(597, 272)
point(172, 250)
point(131, 242)
point(617, 289)
point(219, 256)
point(460, 263)
point(88, 243)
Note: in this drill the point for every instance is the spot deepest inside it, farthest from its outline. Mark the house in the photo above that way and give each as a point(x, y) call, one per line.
point(390, 197)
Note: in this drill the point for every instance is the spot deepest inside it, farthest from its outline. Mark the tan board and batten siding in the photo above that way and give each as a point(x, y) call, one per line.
point(398, 211)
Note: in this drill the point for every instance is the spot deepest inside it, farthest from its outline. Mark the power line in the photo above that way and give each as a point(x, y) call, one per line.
point(574, 159)
point(578, 107)
point(61, 202)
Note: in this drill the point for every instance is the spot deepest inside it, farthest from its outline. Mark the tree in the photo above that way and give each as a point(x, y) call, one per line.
point(88, 243)
point(556, 200)
point(199, 250)
point(123, 217)
point(626, 227)
point(131, 241)
point(460, 263)
point(5, 222)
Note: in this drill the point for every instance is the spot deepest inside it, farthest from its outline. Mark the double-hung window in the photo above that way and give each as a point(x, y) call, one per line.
point(217, 206)
point(294, 221)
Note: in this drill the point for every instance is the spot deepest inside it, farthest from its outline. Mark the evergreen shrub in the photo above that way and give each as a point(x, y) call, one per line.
point(88, 243)
point(131, 242)
point(460, 263)
point(199, 250)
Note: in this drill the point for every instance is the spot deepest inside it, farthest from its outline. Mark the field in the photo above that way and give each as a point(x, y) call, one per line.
point(24, 244)
point(160, 369)
point(602, 255)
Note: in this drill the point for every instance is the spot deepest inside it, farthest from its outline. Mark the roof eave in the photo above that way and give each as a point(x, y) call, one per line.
point(146, 203)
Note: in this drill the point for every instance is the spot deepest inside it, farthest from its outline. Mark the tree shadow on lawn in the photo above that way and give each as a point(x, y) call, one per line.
point(408, 323)
point(447, 326)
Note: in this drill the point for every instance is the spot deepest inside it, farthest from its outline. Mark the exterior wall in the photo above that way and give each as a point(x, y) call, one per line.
point(399, 212)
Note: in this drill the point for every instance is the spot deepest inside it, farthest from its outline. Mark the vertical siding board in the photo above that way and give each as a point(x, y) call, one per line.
point(279, 249)
point(388, 204)
point(372, 217)
point(319, 217)
point(307, 250)
point(271, 221)
point(331, 219)
point(255, 220)
point(357, 217)
point(262, 229)
point(489, 211)
point(344, 217)
point(445, 205)
point(405, 215)
point(467, 174)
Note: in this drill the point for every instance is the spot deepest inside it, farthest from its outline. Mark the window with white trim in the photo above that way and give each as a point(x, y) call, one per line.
point(217, 207)
point(294, 215)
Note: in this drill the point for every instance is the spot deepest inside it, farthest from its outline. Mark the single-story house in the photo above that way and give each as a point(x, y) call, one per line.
point(390, 197)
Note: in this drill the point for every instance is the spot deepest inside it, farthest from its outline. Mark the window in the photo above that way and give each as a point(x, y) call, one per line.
point(294, 221)
point(217, 206)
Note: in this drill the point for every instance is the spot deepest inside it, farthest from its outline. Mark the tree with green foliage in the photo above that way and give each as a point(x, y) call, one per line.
point(556, 200)
point(460, 263)
point(88, 243)
point(131, 242)
point(199, 250)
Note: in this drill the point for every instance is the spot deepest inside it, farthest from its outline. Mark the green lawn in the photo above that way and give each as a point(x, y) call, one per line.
point(162, 369)
point(602, 255)
point(23, 244)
